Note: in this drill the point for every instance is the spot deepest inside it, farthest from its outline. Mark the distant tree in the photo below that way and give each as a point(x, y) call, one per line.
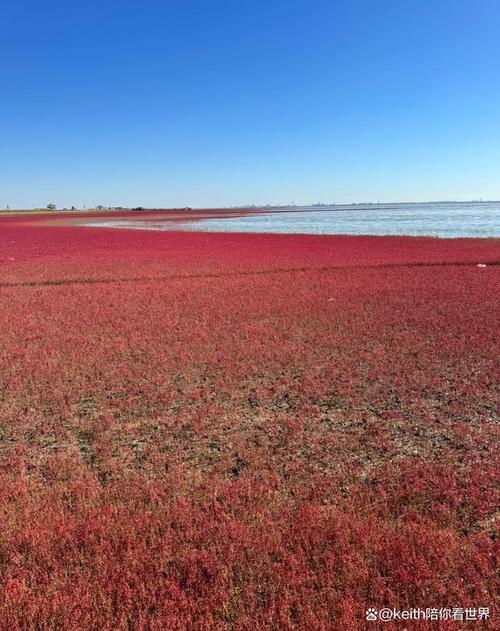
point(99, 207)
point(51, 206)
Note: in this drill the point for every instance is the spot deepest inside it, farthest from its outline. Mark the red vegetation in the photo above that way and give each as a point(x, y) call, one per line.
point(206, 431)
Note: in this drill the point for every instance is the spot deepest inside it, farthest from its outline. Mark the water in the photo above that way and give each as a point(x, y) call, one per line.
point(430, 219)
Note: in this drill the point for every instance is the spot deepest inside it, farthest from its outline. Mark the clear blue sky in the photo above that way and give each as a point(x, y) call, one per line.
point(221, 102)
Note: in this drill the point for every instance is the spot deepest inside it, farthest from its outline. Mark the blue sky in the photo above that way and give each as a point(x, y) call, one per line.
point(205, 103)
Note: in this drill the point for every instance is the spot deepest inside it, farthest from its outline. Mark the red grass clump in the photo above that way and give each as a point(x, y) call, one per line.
point(208, 431)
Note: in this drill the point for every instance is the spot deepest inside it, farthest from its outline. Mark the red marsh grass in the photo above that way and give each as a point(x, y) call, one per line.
point(208, 431)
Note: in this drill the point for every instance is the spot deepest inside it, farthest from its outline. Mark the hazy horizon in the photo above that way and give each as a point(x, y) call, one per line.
point(316, 204)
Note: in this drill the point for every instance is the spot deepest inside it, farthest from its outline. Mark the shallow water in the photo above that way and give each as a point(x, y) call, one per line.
point(433, 219)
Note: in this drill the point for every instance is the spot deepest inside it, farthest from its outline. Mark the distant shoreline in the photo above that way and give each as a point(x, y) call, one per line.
point(248, 208)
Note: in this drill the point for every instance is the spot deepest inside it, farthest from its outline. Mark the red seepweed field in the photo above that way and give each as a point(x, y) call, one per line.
point(228, 431)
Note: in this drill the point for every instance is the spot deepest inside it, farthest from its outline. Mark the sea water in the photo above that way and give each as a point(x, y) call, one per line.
point(427, 219)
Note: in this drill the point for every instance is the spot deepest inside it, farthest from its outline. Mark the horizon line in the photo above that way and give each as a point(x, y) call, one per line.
point(250, 205)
